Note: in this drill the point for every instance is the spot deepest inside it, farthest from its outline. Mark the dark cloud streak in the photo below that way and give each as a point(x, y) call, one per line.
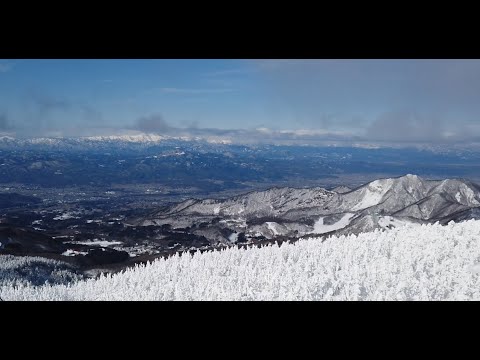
point(51, 115)
point(152, 123)
point(45, 103)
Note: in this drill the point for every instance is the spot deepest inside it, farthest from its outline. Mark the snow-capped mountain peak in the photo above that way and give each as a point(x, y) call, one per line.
point(131, 137)
point(137, 138)
point(372, 194)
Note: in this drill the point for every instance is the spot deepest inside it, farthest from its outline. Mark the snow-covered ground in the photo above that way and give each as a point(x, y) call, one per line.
point(320, 228)
point(96, 242)
point(386, 221)
point(373, 193)
point(66, 216)
point(426, 262)
point(272, 226)
point(71, 252)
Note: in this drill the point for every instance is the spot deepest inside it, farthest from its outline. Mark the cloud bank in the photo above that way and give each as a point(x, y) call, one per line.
point(381, 100)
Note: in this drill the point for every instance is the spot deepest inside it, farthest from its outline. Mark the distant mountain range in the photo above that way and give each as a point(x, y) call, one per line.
point(296, 213)
point(256, 137)
point(132, 139)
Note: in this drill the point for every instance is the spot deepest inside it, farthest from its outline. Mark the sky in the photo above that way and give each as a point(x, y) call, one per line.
point(366, 101)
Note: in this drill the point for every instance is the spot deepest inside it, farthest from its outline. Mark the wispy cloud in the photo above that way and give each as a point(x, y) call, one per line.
point(279, 64)
point(391, 100)
point(228, 72)
point(46, 103)
point(174, 90)
point(389, 130)
point(155, 123)
point(47, 114)
point(5, 67)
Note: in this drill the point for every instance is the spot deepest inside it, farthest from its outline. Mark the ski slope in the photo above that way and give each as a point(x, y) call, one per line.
point(320, 228)
point(413, 262)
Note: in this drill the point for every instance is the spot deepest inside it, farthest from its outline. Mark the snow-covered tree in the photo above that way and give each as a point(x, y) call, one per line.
point(414, 262)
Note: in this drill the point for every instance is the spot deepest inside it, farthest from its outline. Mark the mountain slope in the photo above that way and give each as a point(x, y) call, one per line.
point(295, 213)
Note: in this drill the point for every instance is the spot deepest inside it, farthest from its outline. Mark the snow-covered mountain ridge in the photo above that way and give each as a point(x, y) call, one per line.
point(127, 138)
point(411, 262)
point(297, 213)
point(130, 138)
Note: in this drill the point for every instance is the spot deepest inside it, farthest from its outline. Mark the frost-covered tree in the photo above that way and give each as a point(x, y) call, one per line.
point(415, 262)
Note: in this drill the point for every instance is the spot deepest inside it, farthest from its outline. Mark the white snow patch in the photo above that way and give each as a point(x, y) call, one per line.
point(66, 216)
point(71, 252)
point(320, 228)
point(272, 226)
point(102, 243)
point(386, 221)
point(373, 193)
point(139, 138)
point(471, 196)
point(233, 237)
point(475, 268)
point(218, 141)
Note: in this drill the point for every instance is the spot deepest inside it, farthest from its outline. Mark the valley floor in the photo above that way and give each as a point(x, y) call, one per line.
point(412, 262)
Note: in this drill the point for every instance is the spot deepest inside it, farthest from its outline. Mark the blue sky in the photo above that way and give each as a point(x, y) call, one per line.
point(209, 93)
point(364, 100)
